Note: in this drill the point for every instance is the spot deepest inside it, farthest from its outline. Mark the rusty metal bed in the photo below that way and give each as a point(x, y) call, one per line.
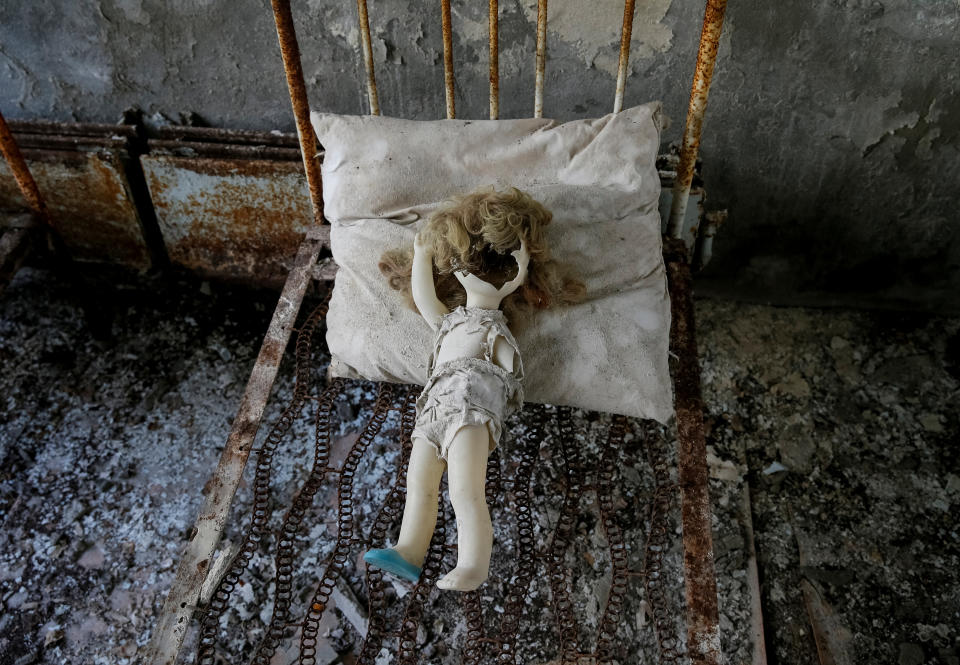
point(197, 562)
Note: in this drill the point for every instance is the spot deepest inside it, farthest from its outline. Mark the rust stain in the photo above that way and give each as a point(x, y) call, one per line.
point(245, 429)
point(272, 351)
point(90, 207)
point(238, 219)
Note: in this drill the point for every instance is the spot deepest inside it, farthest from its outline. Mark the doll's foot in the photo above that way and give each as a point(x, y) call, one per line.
point(462, 579)
point(389, 560)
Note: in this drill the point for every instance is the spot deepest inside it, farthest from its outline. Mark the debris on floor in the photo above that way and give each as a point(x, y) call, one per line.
point(849, 423)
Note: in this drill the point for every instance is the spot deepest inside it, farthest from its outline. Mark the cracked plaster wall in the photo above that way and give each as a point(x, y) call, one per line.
point(831, 135)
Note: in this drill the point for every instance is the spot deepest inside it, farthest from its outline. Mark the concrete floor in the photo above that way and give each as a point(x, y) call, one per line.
point(118, 394)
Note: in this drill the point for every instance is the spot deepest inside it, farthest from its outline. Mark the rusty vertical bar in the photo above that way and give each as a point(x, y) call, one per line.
point(541, 58)
point(192, 571)
point(706, 59)
point(494, 29)
point(368, 57)
point(21, 173)
point(447, 57)
point(287, 35)
point(625, 33)
point(703, 629)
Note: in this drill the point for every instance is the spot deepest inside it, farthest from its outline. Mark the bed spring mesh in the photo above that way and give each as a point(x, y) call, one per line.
point(489, 637)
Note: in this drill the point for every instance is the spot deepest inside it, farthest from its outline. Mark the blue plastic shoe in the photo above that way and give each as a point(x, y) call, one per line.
point(390, 561)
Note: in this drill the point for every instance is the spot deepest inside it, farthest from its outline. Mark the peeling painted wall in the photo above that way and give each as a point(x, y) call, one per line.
point(832, 131)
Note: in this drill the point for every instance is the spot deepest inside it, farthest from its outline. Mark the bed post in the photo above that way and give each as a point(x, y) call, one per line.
point(493, 29)
point(541, 62)
point(445, 27)
point(290, 50)
point(626, 31)
point(365, 44)
point(706, 59)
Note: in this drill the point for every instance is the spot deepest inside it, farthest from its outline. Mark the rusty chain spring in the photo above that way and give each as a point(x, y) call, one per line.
point(560, 542)
point(472, 607)
point(470, 601)
point(527, 447)
point(345, 525)
point(389, 513)
point(218, 604)
point(476, 640)
point(302, 501)
point(577, 472)
point(658, 541)
point(613, 612)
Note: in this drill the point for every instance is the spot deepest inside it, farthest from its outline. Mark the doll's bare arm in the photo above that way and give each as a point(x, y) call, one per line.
point(503, 353)
point(422, 286)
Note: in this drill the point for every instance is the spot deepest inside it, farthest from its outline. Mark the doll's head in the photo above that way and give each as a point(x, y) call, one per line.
point(476, 233)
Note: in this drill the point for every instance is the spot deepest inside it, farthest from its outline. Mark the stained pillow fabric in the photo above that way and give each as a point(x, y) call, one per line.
point(383, 176)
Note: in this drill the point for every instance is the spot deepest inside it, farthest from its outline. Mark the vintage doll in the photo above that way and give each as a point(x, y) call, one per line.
point(478, 251)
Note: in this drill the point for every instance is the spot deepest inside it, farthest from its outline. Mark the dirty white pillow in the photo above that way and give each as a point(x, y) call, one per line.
point(383, 176)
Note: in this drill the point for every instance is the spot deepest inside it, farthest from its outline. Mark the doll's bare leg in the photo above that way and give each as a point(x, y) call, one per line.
point(420, 510)
point(466, 474)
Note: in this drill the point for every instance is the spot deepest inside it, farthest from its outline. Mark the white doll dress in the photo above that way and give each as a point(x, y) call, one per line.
point(469, 391)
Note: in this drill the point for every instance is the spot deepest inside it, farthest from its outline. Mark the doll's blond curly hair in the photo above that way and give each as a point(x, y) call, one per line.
point(476, 233)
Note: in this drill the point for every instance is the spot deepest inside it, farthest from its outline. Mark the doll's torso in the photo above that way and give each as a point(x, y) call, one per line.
point(474, 332)
point(464, 384)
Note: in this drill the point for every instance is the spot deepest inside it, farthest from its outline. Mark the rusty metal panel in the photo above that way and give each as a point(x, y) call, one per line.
point(88, 196)
point(229, 218)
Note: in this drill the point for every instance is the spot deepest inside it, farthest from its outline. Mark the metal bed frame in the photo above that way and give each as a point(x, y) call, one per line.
point(703, 636)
